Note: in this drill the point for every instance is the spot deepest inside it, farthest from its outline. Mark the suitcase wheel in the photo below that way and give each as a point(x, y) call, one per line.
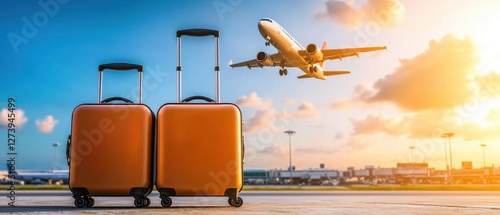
point(89, 202)
point(166, 201)
point(79, 203)
point(235, 203)
point(86, 201)
point(142, 202)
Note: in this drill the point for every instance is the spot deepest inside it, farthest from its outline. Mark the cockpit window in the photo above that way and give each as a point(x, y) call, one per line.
point(268, 20)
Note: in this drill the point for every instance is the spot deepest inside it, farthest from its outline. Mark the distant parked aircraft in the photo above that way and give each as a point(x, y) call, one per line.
point(39, 176)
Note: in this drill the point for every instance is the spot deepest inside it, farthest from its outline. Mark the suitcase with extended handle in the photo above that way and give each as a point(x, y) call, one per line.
point(111, 147)
point(199, 145)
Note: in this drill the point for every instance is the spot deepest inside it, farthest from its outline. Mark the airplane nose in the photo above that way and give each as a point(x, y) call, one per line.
point(260, 25)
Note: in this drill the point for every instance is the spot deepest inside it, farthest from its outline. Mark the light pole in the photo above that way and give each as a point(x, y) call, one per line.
point(484, 159)
point(449, 135)
point(412, 159)
point(290, 133)
point(56, 145)
point(446, 157)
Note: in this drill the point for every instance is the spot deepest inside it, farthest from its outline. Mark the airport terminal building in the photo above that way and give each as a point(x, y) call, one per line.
point(403, 173)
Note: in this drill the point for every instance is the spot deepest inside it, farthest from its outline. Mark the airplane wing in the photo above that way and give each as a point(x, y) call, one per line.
point(276, 58)
point(333, 54)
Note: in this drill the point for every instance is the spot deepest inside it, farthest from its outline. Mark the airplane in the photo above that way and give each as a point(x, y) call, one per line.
point(39, 176)
point(291, 54)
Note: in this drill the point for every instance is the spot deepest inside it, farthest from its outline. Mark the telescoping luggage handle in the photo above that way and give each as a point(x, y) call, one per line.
point(198, 32)
point(120, 67)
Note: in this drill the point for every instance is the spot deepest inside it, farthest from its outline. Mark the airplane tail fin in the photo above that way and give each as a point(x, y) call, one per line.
point(330, 73)
point(322, 63)
point(324, 45)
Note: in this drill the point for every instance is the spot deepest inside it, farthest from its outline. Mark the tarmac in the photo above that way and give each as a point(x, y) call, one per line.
point(271, 202)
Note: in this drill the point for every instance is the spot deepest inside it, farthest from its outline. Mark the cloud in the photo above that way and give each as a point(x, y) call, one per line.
point(46, 125)
point(435, 79)
point(305, 110)
point(289, 101)
point(261, 119)
point(339, 136)
point(437, 91)
point(20, 118)
point(253, 100)
point(485, 130)
point(318, 149)
point(423, 124)
point(278, 149)
point(488, 85)
point(362, 92)
point(268, 119)
point(264, 116)
point(357, 142)
point(384, 13)
point(377, 123)
point(431, 124)
point(475, 132)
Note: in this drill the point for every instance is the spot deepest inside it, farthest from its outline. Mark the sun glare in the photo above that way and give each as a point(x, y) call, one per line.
point(486, 38)
point(476, 111)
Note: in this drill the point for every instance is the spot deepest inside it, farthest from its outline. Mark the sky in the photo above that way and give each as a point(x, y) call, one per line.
point(441, 73)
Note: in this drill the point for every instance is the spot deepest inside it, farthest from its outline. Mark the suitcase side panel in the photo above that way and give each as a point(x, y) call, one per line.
point(112, 148)
point(199, 149)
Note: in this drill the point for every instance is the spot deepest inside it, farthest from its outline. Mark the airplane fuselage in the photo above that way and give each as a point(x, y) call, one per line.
point(287, 46)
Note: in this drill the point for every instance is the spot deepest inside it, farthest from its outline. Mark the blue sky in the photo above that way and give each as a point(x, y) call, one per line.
point(54, 69)
point(57, 68)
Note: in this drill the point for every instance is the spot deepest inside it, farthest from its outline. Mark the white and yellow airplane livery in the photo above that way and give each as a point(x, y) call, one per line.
point(291, 54)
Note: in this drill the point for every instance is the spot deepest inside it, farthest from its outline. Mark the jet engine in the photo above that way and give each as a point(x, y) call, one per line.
point(314, 52)
point(264, 59)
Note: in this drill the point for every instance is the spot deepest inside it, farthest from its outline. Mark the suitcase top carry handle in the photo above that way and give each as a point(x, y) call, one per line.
point(120, 67)
point(110, 99)
point(198, 32)
point(191, 98)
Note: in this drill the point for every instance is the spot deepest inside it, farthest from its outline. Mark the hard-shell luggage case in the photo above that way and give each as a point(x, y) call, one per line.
point(199, 145)
point(111, 147)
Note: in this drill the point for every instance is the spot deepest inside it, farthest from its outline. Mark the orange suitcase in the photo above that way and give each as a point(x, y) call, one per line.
point(110, 149)
point(199, 145)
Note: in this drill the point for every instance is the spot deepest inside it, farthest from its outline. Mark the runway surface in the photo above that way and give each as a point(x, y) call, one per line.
point(272, 202)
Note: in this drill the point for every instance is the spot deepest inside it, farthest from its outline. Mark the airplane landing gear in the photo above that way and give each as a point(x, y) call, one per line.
point(313, 69)
point(283, 72)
